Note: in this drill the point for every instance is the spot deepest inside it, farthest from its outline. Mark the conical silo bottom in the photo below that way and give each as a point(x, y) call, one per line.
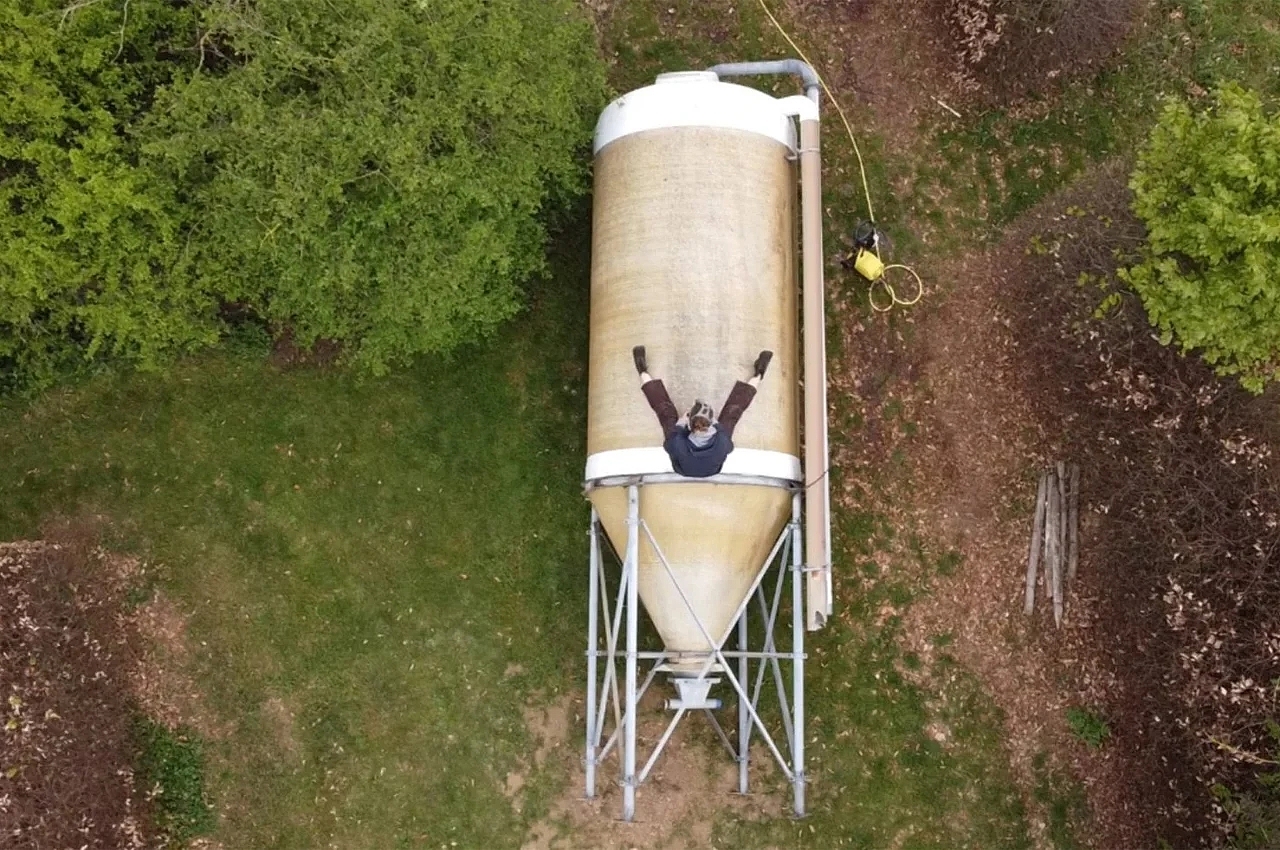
point(715, 538)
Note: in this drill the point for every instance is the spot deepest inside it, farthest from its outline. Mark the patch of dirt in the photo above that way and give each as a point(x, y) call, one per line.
point(888, 63)
point(66, 776)
point(1184, 499)
point(158, 679)
point(512, 787)
point(1011, 49)
point(286, 353)
point(599, 11)
point(77, 660)
point(958, 368)
point(280, 719)
point(549, 725)
point(988, 438)
point(693, 782)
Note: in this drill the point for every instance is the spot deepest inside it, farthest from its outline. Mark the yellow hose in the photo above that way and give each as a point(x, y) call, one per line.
point(882, 281)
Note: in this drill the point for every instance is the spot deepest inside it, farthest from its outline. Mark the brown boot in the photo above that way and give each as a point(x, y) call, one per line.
point(762, 363)
point(642, 363)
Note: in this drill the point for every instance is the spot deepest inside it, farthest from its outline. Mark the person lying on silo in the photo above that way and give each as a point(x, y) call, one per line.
point(698, 443)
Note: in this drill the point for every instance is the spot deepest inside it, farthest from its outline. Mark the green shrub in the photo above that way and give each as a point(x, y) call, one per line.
point(1254, 808)
point(1255, 815)
point(1088, 727)
point(377, 173)
point(90, 243)
point(1207, 186)
point(170, 770)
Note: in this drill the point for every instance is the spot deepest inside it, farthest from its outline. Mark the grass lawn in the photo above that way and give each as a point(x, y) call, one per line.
point(400, 562)
point(379, 556)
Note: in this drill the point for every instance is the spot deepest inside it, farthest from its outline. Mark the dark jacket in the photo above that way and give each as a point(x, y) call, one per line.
point(697, 461)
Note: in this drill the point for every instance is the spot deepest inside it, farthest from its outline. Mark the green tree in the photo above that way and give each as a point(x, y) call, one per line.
point(1207, 185)
point(90, 242)
point(378, 171)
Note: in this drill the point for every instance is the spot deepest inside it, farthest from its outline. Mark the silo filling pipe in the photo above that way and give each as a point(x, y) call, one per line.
point(808, 76)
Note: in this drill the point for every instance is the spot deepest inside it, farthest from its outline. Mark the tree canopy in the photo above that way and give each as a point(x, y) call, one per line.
point(375, 172)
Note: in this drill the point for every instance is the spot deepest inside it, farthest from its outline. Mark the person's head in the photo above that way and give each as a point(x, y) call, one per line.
point(700, 416)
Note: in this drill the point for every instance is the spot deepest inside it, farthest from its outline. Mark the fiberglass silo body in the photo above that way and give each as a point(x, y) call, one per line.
point(694, 256)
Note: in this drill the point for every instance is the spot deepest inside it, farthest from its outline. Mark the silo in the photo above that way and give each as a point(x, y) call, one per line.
point(696, 237)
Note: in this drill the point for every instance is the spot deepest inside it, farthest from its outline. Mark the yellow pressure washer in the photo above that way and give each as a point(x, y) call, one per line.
point(865, 256)
point(866, 260)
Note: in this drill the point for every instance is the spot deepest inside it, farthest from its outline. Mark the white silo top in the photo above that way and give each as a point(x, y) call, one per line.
point(696, 99)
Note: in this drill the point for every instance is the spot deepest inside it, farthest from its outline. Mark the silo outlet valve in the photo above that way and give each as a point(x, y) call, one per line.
point(693, 694)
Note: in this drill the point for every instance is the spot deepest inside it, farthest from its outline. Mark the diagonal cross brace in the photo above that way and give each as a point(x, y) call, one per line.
point(717, 654)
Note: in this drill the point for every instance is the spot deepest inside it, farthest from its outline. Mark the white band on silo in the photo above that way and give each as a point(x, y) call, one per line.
point(653, 460)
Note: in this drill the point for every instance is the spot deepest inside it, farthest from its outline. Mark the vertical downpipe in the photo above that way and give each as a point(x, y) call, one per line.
point(817, 482)
point(593, 644)
point(631, 573)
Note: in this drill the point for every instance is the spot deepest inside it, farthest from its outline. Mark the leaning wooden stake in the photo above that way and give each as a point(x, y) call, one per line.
point(1037, 533)
point(1046, 552)
point(1050, 535)
point(1073, 523)
point(1059, 530)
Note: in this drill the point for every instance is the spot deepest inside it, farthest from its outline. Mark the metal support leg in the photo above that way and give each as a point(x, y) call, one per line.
point(797, 661)
point(593, 646)
point(631, 569)
point(744, 719)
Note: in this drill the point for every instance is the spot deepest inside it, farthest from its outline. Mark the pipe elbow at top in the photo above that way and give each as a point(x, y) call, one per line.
point(808, 77)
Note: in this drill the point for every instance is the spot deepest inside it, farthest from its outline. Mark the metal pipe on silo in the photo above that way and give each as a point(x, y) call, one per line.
point(808, 77)
point(797, 668)
point(744, 722)
point(631, 573)
point(593, 642)
point(816, 450)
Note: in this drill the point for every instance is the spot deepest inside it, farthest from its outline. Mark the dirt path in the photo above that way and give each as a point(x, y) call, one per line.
point(886, 61)
point(76, 661)
point(999, 374)
point(948, 387)
point(954, 369)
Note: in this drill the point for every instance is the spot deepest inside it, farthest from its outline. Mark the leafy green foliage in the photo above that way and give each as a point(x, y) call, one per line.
point(1207, 186)
point(170, 768)
point(372, 172)
point(89, 241)
point(1088, 726)
point(376, 173)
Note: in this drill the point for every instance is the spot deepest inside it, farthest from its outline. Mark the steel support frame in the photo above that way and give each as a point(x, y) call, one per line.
point(614, 661)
